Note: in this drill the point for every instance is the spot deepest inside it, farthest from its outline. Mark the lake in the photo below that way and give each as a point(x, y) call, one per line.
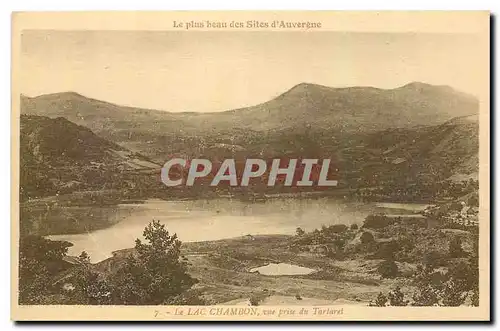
point(212, 219)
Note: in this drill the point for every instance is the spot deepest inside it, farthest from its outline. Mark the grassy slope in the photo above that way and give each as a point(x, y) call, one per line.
point(223, 270)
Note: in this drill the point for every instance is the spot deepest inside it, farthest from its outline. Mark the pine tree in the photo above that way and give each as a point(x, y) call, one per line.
point(397, 298)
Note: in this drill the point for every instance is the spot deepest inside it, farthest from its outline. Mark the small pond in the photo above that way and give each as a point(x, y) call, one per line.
point(280, 269)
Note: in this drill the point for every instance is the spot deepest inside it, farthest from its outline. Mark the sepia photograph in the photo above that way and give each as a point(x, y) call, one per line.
point(261, 166)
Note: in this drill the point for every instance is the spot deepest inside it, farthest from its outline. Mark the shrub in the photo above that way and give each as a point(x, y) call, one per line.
point(337, 228)
point(406, 242)
point(466, 275)
point(453, 294)
point(367, 238)
point(39, 260)
point(254, 301)
point(377, 221)
point(455, 248)
point(433, 259)
point(475, 298)
point(397, 298)
point(387, 250)
point(339, 244)
point(426, 275)
point(381, 300)
point(188, 298)
point(425, 296)
point(388, 269)
point(354, 226)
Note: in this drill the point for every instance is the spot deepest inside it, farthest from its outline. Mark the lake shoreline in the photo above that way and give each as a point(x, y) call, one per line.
point(45, 205)
point(217, 219)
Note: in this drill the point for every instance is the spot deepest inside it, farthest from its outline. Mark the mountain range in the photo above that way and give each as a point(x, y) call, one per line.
point(418, 132)
point(358, 109)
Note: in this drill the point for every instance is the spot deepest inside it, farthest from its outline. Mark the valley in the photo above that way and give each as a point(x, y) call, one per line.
point(90, 180)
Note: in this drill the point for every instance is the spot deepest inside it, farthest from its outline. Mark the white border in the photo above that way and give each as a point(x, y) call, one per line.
point(60, 5)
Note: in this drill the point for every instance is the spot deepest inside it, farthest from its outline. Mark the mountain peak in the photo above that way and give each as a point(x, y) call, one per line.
point(303, 86)
point(306, 88)
point(63, 95)
point(416, 85)
point(419, 86)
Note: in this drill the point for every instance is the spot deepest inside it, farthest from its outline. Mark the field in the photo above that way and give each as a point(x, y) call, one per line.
point(222, 267)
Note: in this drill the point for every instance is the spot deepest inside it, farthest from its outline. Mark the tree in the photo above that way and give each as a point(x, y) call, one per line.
point(388, 250)
point(33, 280)
point(254, 301)
point(425, 296)
point(377, 221)
point(453, 294)
point(354, 227)
point(367, 238)
point(455, 247)
point(397, 298)
point(84, 257)
point(432, 259)
point(337, 228)
point(388, 269)
point(39, 260)
point(465, 275)
point(475, 298)
point(257, 298)
point(90, 288)
point(381, 300)
point(339, 244)
point(154, 274)
point(190, 298)
point(299, 232)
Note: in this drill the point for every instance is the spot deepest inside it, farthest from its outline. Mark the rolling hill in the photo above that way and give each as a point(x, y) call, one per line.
point(59, 156)
point(432, 153)
point(359, 109)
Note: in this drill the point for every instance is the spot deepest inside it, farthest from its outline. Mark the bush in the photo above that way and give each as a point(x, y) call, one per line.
point(428, 276)
point(367, 238)
point(254, 301)
point(387, 250)
point(354, 227)
point(337, 228)
point(397, 298)
point(388, 269)
point(433, 259)
point(406, 242)
point(188, 298)
point(453, 294)
point(465, 274)
point(39, 260)
point(425, 296)
point(455, 248)
point(377, 221)
point(257, 298)
point(381, 300)
point(339, 244)
point(475, 298)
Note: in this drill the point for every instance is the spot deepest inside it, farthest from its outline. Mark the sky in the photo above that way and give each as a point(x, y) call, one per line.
point(216, 71)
